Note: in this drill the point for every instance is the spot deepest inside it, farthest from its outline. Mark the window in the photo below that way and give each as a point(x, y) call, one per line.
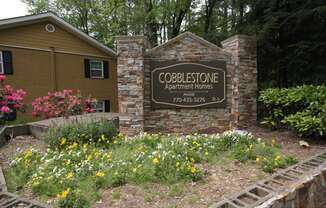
point(103, 106)
point(96, 69)
point(100, 106)
point(1, 63)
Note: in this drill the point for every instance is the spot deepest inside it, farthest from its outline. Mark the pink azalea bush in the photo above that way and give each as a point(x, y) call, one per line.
point(10, 99)
point(63, 103)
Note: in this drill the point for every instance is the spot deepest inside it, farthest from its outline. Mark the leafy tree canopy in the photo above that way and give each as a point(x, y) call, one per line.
point(291, 33)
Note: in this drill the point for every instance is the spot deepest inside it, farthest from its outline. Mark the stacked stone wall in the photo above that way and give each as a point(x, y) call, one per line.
point(130, 66)
point(134, 84)
point(244, 55)
point(187, 120)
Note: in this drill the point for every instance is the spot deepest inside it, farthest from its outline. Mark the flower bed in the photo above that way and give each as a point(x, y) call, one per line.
point(74, 172)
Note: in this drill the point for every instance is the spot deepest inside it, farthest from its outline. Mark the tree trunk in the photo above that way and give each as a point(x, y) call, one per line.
point(225, 22)
point(151, 26)
point(209, 8)
point(178, 18)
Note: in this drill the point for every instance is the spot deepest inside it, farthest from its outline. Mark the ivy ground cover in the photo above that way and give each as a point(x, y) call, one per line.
point(72, 173)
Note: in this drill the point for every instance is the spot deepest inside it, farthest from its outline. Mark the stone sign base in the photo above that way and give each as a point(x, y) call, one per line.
point(157, 111)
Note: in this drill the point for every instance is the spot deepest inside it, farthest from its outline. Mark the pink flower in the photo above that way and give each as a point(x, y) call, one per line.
point(2, 78)
point(17, 106)
point(10, 97)
point(5, 109)
point(21, 92)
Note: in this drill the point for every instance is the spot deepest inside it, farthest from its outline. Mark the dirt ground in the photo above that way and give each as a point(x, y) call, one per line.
point(222, 179)
point(290, 142)
point(17, 144)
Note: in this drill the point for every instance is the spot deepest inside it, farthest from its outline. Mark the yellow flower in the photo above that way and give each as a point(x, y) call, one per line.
point(99, 174)
point(193, 170)
point(258, 159)
point(177, 164)
point(64, 194)
point(89, 157)
point(278, 157)
point(97, 155)
point(63, 141)
point(73, 146)
point(156, 161)
point(206, 153)
point(69, 175)
point(28, 153)
point(49, 178)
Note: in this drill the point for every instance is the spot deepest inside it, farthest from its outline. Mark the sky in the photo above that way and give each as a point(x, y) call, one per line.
point(12, 8)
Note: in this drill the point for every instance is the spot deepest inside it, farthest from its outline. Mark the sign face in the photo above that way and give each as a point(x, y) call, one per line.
point(188, 85)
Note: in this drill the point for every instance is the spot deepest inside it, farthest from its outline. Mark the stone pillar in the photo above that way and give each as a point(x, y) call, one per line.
point(244, 103)
point(131, 79)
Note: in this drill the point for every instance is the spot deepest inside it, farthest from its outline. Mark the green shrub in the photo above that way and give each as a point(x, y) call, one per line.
point(302, 109)
point(100, 133)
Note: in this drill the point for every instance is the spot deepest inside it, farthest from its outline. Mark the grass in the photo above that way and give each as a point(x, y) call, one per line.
point(74, 172)
point(116, 195)
point(177, 190)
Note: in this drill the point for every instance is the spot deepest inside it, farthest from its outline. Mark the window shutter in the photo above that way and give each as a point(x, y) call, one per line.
point(107, 105)
point(106, 69)
point(7, 62)
point(87, 68)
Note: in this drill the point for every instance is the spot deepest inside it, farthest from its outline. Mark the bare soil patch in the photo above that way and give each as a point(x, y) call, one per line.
point(221, 179)
point(19, 143)
point(290, 142)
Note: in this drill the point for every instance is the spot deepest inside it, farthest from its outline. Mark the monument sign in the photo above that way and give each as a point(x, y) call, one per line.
point(188, 84)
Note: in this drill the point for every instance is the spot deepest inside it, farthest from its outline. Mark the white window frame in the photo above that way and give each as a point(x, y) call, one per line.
point(96, 69)
point(100, 110)
point(2, 70)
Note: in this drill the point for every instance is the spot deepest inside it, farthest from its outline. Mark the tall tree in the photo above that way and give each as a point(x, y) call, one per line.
point(291, 33)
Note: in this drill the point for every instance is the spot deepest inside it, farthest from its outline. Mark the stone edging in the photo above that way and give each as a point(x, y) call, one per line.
point(8, 132)
point(301, 185)
point(3, 184)
point(38, 128)
point(9, 200)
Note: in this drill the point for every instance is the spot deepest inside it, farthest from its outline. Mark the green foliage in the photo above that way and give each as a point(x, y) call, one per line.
point(73, 199)
point(301, 108)
point(99, 132)
point(74, 173)
point(291, 33)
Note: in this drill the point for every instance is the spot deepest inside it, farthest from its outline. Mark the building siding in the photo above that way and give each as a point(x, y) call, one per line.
point(35, 36)
point(70, 75)
point(44, 62)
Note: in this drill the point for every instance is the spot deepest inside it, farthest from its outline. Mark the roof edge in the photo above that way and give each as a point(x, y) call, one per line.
point(29, 19)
